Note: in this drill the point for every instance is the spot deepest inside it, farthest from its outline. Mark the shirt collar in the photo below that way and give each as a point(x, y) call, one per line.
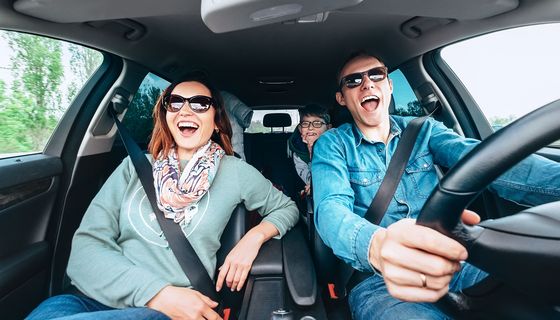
point(395, 130)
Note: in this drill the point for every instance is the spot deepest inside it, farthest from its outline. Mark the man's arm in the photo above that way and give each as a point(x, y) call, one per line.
point(348, 234)
point(533, 181)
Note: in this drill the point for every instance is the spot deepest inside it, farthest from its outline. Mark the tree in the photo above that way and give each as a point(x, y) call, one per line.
point(13, 120)
point(83, 63)
point(413, 108)
point(138, 118)
point(257, 127)
point(37, 64)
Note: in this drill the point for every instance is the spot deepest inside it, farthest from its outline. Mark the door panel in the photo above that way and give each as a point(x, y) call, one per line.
point(28, 190)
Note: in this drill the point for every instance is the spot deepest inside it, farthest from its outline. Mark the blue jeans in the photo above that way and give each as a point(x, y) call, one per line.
point(72, 307)
point(371, 300)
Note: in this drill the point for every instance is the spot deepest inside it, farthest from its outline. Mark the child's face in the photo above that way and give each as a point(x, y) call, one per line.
point(311, 133)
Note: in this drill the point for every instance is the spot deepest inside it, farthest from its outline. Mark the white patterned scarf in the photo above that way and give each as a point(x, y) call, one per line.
point(178, 193)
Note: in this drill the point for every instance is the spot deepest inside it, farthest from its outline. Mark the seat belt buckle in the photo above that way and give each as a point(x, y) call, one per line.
point(226, 313)
point(332, 291)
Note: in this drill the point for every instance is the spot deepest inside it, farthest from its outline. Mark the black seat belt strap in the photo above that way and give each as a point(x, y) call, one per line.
point(398, 162)
point(178, 242)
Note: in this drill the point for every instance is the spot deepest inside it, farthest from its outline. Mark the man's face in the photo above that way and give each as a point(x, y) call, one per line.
point(368, 102)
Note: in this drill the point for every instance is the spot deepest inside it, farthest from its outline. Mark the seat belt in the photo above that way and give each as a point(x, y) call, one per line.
point(382, 198)
point(398, 162)
point(179, 244)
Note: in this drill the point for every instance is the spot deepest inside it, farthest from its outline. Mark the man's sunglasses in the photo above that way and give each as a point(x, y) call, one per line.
point(354, 80)
point(315, 124)
point(198, 104)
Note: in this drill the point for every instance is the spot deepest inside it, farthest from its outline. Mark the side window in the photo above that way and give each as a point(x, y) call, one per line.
point(509, 73)
point(257, 121)
point(138, 118)
point(39, 78)
point(406, 103)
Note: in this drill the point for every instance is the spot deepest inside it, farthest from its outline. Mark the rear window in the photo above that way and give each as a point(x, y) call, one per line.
point(257, 121)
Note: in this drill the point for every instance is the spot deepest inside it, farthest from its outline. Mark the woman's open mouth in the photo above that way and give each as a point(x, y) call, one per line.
point(187, 128)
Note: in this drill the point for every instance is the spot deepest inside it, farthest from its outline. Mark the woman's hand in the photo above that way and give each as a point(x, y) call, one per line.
point(184, 303)
point(238, 262)
point(417, 262)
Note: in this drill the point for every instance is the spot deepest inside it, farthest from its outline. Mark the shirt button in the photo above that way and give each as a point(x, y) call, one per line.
point(425, 165)
point(365, 180)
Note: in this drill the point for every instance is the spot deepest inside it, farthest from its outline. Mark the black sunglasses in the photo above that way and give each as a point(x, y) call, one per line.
point(315, 124)
point(354, 80)
point(198, 104)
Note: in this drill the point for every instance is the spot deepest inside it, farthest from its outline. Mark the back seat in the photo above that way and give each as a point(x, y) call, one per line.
point(268, 152)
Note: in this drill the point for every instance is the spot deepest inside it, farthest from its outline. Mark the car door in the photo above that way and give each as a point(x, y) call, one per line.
point(48, 90)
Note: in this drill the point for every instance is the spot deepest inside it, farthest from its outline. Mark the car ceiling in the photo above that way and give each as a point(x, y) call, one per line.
point(171, 38)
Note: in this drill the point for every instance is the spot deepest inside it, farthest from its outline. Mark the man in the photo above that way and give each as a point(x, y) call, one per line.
point(410, 264)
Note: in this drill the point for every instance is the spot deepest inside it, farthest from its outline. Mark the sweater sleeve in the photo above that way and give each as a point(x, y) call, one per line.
point(258, 193)
point(302, 169)
point(97, 265)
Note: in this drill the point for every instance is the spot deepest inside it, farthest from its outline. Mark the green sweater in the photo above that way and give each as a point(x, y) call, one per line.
point(119, 255)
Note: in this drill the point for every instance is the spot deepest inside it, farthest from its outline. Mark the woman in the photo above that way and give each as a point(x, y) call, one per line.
point(120, 258)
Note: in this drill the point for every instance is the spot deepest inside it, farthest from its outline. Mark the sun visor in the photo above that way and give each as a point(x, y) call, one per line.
point(68, 11)
point(230, 15)
point(448, 9)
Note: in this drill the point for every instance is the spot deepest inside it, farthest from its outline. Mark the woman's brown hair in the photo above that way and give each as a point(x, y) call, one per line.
point(162, 141)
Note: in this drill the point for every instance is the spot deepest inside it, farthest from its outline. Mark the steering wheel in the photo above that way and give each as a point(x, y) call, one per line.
point(521, 251)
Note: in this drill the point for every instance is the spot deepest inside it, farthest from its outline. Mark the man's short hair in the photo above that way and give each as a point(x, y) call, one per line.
point(352, 56)
point(316, 110)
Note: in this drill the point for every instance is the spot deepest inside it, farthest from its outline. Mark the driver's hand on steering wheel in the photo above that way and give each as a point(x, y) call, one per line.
point(417, 262)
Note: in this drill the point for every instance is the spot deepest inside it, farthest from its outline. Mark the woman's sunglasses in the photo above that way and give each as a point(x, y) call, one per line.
point(354, 80)
point(198, 104)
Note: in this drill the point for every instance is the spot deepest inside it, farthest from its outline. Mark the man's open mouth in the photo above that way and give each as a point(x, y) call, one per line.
point(370, 103)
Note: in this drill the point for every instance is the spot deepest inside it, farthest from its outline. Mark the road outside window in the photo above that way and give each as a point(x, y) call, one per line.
point(39, 78)
point(509, 73)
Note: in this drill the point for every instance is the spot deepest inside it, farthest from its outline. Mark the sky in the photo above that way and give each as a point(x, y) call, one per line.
point(510, 72)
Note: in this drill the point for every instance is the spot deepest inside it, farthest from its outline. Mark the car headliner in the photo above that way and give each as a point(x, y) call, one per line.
point(175, 40)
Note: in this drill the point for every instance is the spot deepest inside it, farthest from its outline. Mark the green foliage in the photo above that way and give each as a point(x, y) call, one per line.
point(28, 115)
point(257, 127)
point(138, 118)
point(31, 107)
point(413, 108)
point(83, 63)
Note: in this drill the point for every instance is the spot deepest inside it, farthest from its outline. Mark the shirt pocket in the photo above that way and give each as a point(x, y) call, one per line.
point(421, 174)
point(363, 178)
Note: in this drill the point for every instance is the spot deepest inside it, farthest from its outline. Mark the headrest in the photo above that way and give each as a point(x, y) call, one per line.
point(277, 120)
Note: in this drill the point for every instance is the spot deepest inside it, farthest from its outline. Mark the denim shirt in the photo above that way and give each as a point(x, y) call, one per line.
point(348, 169)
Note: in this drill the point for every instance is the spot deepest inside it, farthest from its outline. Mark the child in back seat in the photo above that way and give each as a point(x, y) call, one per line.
point(314, 121)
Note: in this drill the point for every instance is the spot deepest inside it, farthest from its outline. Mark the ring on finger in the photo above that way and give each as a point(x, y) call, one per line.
point(424, 280)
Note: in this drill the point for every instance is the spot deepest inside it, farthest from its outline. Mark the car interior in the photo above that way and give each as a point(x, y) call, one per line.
point(277, 56)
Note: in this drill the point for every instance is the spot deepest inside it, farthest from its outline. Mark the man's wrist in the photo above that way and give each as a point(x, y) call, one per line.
point(376, 241)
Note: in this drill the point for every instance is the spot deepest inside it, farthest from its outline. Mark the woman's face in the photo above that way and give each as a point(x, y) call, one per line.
point(189, 129)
